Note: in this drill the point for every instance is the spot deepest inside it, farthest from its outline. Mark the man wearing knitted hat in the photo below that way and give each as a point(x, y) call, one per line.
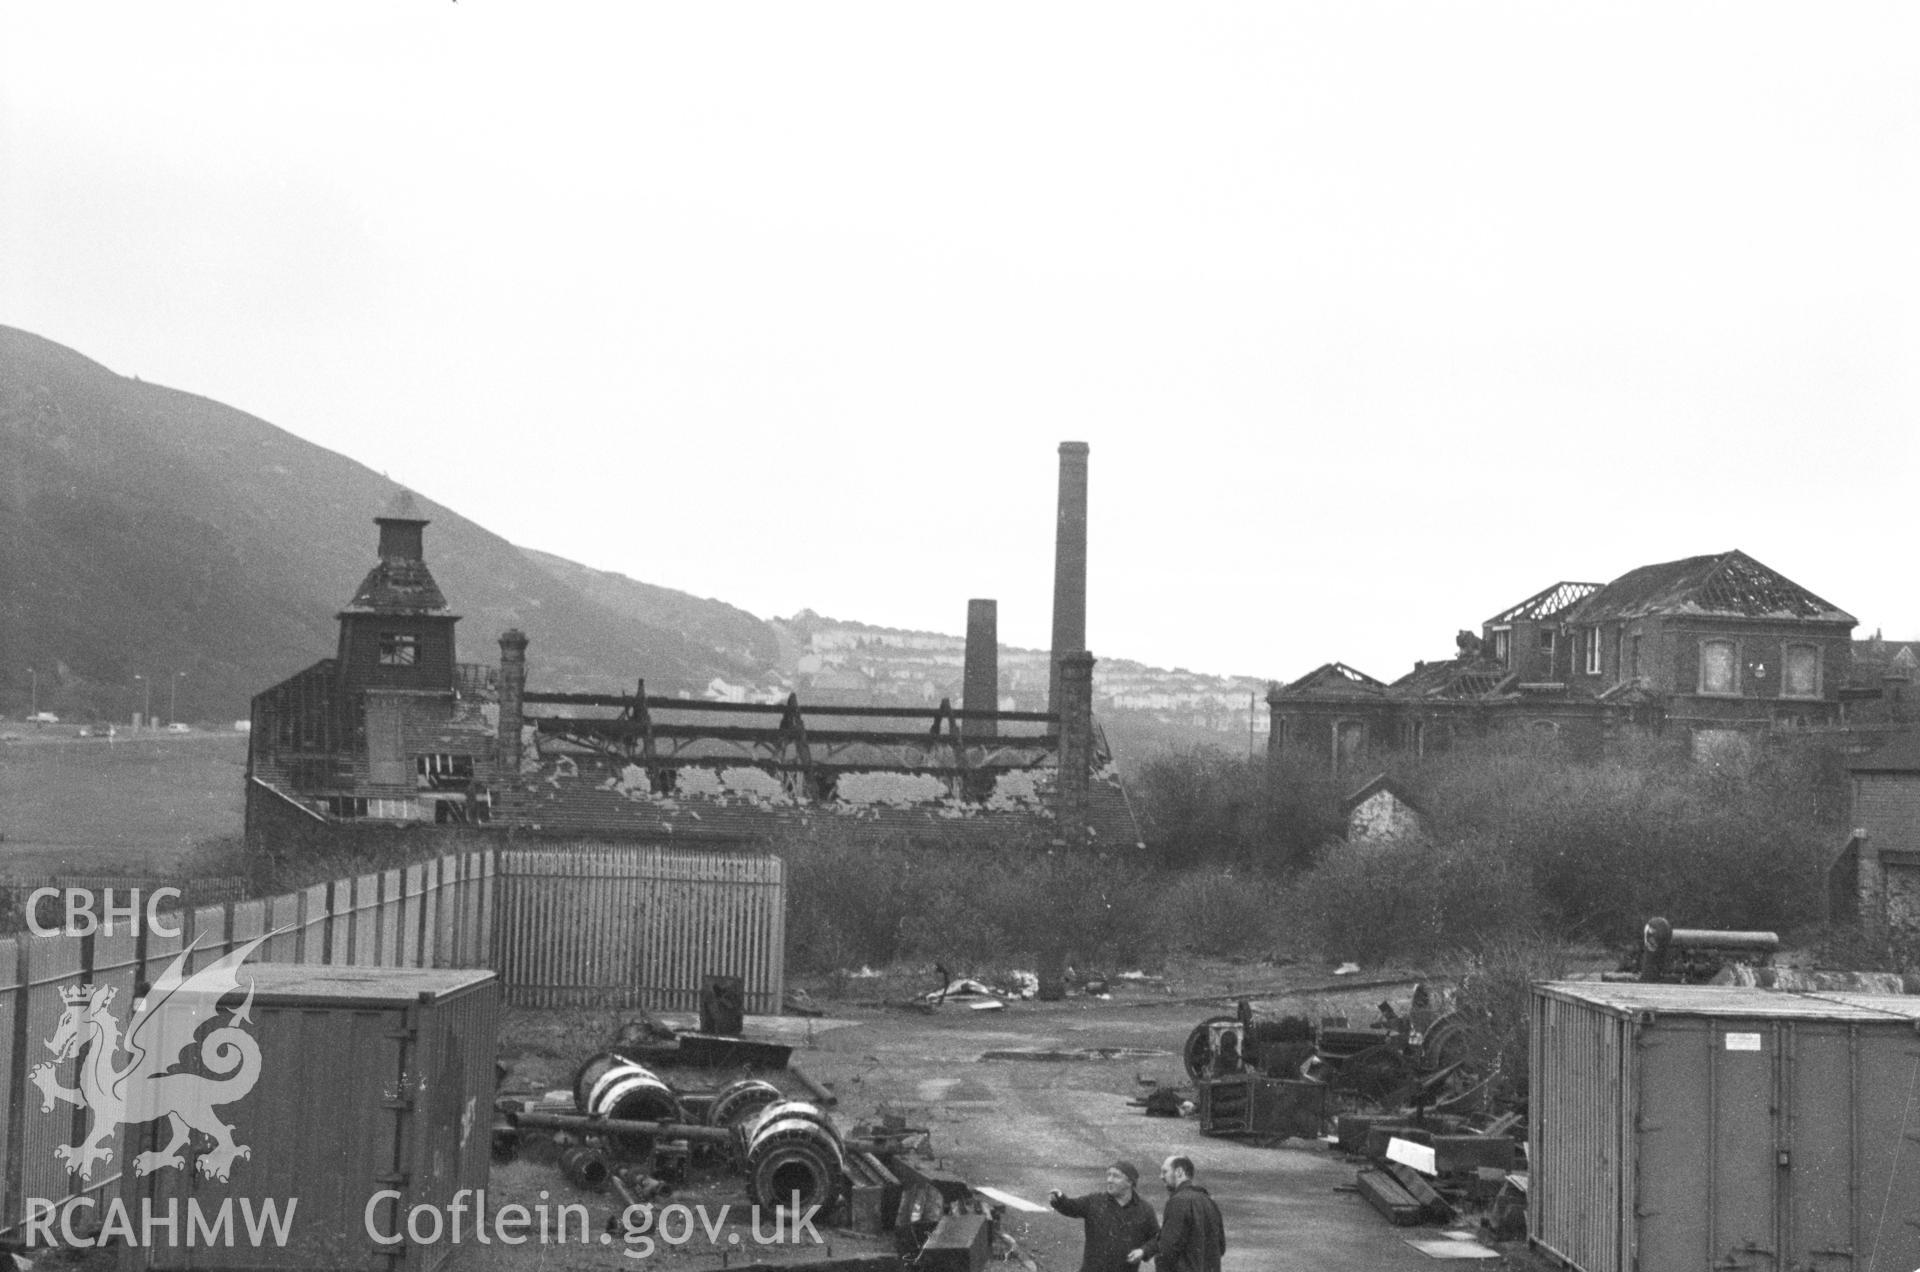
point(1118, 1219)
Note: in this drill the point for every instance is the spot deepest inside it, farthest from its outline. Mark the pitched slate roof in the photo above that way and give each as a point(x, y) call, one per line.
point(1468, 676)
point(398, 586)
point(1548, 602)
point(1730, 584)
point(1380, 782)
point(1333, 680)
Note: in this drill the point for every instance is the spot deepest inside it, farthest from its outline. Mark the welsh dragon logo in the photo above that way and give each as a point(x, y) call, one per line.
point(143, 1088)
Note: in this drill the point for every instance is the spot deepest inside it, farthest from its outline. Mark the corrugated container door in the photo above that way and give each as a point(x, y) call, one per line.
point(316, 1144)
point(1708, 1145)
point(1888, 1129)
point(1581, 1088)
point(451, 1118)
point(1820, 1073)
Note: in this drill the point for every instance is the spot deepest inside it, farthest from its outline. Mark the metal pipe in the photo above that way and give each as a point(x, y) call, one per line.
point(1708, 939)
point(882, 1145)
point(584, 1166)
point(620, 1126)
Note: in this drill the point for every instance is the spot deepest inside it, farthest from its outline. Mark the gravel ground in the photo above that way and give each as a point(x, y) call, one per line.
point(1028, 1125)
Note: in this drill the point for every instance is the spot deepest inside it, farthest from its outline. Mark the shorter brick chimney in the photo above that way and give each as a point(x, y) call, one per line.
point(980, 690)
point(513, 688)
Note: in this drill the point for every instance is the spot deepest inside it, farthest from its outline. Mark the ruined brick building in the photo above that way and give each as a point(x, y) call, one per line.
point(393, 735)
point(1717, 645)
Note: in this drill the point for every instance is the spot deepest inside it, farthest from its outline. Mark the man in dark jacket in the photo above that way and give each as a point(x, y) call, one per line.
point(1192, 1237)
point(1118, 1219)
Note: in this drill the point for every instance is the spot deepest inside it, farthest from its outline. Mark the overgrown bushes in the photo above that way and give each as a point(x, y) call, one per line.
point(1493, 998)
point(1203, 806)
point(1411, 898)
point(854, 904)
point(1522, 837)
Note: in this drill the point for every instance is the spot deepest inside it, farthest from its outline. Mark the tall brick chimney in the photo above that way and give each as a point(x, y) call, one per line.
point(1075, 775)
point(513, 688)
point(980, 690)
point(1069, 565)
point(1072, 789)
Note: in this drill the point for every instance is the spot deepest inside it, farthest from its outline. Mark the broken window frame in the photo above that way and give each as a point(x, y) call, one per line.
point(442, 771)
point(1787, 652)
point(1732, 682)
point(1593, 650)
point(1503, 644)
point(399, 649)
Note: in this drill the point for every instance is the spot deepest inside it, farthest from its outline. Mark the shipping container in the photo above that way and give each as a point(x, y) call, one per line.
point(371, 1080)
point(1683, 1128)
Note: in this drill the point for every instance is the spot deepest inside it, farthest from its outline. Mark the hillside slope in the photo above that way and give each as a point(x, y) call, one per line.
point(145, 531)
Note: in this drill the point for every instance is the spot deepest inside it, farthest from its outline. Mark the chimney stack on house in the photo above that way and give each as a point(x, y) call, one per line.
point(980, 688)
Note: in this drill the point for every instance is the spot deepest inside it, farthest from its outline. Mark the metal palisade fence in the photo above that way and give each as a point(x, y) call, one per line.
point(580, 925)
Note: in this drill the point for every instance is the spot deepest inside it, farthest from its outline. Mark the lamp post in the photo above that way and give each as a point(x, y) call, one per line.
point(35, 691)
point(146, 712)
point(173, 696)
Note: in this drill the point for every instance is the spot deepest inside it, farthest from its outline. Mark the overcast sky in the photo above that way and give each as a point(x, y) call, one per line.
point(1378, 318)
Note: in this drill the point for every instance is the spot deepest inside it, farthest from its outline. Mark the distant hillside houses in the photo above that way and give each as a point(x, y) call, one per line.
point(1220, 704)
point(844, 662)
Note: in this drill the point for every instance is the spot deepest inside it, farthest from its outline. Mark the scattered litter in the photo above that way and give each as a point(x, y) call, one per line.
point(865, 973)
point(991, 1004)
point(1461, 1246)
point(1166, 1102)
point(1346, 969)
point(800, 1003)
point(1015, 1253)
point(1008, 1199)
point(968, 990)
point(1408, 1153)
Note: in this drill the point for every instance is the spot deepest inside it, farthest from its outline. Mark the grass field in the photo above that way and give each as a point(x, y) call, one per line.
point(133, 805)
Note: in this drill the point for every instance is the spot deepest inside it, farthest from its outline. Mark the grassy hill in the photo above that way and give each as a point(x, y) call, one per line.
point(145, 531)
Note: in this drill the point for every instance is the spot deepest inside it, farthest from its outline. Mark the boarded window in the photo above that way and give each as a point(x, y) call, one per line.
point(1349, 739)
point(1503, 646)
point(1802, 678)
point(399, 649)
point(1717, 667)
